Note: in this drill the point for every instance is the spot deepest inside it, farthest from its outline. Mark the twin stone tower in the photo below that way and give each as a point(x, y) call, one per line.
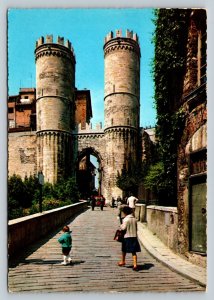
point(59, 145)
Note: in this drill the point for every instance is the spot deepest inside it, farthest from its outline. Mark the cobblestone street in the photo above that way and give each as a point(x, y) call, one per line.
point(95, 255)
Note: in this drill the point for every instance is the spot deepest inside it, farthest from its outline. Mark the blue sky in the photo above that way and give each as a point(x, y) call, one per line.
point(86, 29)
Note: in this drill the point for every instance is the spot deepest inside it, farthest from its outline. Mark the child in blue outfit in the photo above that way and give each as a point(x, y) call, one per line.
point(66, 242)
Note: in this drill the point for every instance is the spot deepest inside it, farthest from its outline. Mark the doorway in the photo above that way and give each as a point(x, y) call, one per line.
point(198, 202)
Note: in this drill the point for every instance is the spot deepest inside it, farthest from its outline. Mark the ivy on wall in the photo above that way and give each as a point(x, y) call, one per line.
point(170, 40)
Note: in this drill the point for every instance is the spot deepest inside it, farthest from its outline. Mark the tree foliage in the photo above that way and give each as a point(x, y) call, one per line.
point(129, 179)
point(24, 195)
point(67, 190)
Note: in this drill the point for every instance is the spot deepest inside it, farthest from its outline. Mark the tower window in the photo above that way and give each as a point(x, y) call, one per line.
point(112, 122)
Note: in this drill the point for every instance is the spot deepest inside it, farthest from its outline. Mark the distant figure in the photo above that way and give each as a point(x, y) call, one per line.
point(131, 201)
point(66, 242)
point(102, 200)
point(125, 200)
point(113, 202)
point(119, 201)
point(93, 202)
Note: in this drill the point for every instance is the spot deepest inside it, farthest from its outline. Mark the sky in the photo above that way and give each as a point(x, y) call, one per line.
point(85, 29)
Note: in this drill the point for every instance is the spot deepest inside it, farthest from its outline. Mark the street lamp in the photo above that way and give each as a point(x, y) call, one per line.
point(41, 183)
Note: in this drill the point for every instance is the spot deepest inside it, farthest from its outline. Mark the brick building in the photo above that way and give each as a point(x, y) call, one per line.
point(192, 171)
point(22, 110)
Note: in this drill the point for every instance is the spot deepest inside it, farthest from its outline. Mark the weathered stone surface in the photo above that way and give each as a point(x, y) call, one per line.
point(95, 255)
point(122, 107)
point(55, 84)
point(22, 153)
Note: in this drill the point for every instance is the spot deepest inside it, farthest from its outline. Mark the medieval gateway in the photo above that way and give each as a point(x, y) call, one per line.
point(63, 139)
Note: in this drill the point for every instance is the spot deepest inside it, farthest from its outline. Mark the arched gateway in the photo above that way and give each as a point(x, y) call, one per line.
point(89, 142)
point(60, 148)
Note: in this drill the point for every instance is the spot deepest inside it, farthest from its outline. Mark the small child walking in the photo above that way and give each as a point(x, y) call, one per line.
point(66, 242)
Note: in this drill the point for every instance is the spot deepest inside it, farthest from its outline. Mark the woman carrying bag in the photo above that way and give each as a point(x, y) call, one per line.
point(130, 242)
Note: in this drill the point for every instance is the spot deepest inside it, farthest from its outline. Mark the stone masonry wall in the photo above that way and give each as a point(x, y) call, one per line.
point(22, 159)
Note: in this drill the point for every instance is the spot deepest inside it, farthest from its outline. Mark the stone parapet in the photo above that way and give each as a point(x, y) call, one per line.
point(163, 221)
point(26, 230)
point(140, 212)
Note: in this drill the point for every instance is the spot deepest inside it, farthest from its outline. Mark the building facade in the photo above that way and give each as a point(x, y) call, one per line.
point(192, 151)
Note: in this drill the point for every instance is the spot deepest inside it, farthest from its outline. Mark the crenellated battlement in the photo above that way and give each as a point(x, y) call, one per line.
point(118, 42)
point(87, 128)
point(59, 41)
point(118, 34)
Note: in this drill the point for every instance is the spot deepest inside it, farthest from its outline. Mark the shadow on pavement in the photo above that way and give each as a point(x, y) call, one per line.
point(48, 262)
point(143, 267)
point(21, 254)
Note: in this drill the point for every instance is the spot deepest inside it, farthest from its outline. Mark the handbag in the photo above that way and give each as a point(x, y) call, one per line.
point(119, 235)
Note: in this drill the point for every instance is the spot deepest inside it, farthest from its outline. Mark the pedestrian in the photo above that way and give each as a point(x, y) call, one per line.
point(102, 200)
point(131, 201)
point(93, 202)
point(66, 243)
point(119, 201)
point(112, 202)
point(130, 242)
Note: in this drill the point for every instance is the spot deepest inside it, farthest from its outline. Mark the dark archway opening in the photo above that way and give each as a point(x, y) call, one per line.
point(89, 173)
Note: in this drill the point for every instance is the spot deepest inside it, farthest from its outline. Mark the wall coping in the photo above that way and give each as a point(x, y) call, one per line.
point(37, 215)
point(163, 208)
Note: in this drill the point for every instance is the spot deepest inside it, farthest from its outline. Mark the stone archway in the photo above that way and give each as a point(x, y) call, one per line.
point(85, 171)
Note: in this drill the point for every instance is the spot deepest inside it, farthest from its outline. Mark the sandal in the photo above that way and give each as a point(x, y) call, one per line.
point(121, 264)
point(135, 268)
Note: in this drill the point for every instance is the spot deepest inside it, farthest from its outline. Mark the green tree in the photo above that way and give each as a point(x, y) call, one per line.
point(67, 190)
point(16, 201)
point(16, 190)
point(156, 181)
point(129, 180)
point(31, 190)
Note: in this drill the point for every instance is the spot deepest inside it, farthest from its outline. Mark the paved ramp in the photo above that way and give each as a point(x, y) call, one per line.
point(95, 255)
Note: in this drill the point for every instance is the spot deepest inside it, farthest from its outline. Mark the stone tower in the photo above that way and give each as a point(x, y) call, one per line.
point(122, 105)
point(55, 86)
